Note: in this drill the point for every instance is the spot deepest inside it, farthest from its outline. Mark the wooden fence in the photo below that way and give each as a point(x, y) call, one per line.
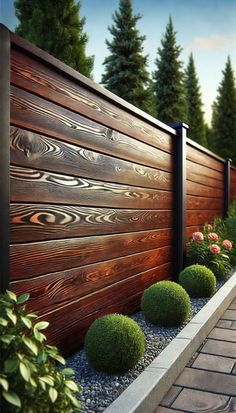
point(102, 195)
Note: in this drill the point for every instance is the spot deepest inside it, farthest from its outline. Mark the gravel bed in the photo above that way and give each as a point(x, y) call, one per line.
point(99, 390)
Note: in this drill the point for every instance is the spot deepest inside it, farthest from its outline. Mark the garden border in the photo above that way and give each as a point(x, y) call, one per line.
point(147, 391)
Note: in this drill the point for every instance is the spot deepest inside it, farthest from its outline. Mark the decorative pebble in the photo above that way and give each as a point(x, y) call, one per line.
point(99, 389)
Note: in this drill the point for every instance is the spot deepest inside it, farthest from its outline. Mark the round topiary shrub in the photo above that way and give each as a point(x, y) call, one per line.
point(114, 344)
point(166, 303)
point(198, 281)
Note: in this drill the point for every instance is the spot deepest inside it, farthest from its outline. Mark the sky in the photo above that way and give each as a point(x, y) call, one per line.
point(207, 28)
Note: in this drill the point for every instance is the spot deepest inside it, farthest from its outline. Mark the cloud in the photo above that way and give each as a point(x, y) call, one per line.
point(212, 42)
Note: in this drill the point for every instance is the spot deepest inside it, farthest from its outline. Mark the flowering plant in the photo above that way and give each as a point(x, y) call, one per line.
point(207, 248)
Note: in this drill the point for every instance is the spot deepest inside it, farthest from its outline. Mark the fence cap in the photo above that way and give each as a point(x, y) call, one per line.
point(180, 125)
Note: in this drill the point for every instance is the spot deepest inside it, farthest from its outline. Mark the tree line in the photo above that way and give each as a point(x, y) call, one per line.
point(171, 94)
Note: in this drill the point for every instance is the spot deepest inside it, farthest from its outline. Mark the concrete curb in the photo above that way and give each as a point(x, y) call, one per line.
point(146, 392)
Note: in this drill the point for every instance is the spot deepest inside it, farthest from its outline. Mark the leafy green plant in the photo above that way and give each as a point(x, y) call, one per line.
point(209, 248)
point(30, 381)
point(114, 344)
point(198, 281)
point(227, 230)
point(166, 303)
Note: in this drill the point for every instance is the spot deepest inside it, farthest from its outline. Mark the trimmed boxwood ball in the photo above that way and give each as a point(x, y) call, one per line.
point(166, 303)
point(114, 344)
point(198, 281)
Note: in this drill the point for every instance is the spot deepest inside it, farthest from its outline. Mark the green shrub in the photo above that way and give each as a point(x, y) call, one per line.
point(29, 379)
point(198, 281)
point(212, 249)
point(114, 344)
point(166, 303)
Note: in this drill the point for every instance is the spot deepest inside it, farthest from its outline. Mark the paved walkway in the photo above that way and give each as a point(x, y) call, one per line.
point(208, 382)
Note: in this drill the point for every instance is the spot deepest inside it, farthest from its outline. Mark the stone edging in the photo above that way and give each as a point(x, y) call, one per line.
point(146, 392)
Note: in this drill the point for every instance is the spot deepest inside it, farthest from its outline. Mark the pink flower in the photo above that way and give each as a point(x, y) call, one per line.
point(213, 236)
point(197, 236)
point(227, 244)
point(215, 249)
point(209, 226)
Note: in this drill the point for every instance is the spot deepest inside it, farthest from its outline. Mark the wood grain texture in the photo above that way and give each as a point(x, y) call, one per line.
point(39, 115)
point(33, 222)
point(204, 159)
point(32, 259)
point(196, 171)
point(193, 176)
point(193, 188)
point(194, 218)
point(32, 185)
point(40, 152)
point(69, 322)
point(49, 290)
point(197, 202)
point(42, 80)
point(232, 184)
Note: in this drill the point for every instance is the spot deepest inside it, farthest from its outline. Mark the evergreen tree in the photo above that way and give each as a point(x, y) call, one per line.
point(56, 27)
point(224, 115)
point(194, 104)
point(125, 68)
point(168, 80)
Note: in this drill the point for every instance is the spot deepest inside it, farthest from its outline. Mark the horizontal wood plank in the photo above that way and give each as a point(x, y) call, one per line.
point(204, 159)
point(195, 177)
point(69, 322)
point(201, 171)
point(40, 152)
point(197, 202)
point(32, 185)
point(201, 217)
point(33, 222)
point(38, 115)
point(193, 188)
point(32, 259)
point(55, 288)
point(42, 80)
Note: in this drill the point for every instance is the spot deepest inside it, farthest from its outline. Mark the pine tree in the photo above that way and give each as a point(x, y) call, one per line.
point(194, 104)
point(224, 116)
point(56, 27)
point(125, 68)
point(168, 80)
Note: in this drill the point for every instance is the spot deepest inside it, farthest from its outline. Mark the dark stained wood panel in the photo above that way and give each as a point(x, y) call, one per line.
point(31, 259)
point(40, 152)
point(69, 322)
point(33, 222)
point(232, 184)
point(32, 185)
point(194, 188)
point(196, 202)
point(39, 115)
point(48, 83)
point(204, 159)
point(198, 170)
point(201, 179)
point(194, 218)
point(51, 289)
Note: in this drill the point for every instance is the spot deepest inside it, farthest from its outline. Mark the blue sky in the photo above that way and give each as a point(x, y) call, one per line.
point(205, 27)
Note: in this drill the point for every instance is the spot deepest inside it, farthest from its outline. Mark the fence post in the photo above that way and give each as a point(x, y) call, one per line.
point(4, 156)
point(226, 185)
point(180, 198)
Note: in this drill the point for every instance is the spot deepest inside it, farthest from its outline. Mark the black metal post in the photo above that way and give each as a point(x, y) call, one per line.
point(226, 185)
point(180, 198)
point(4, 155)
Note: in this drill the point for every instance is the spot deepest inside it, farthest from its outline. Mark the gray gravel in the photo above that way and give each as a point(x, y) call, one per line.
point(99, 390)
